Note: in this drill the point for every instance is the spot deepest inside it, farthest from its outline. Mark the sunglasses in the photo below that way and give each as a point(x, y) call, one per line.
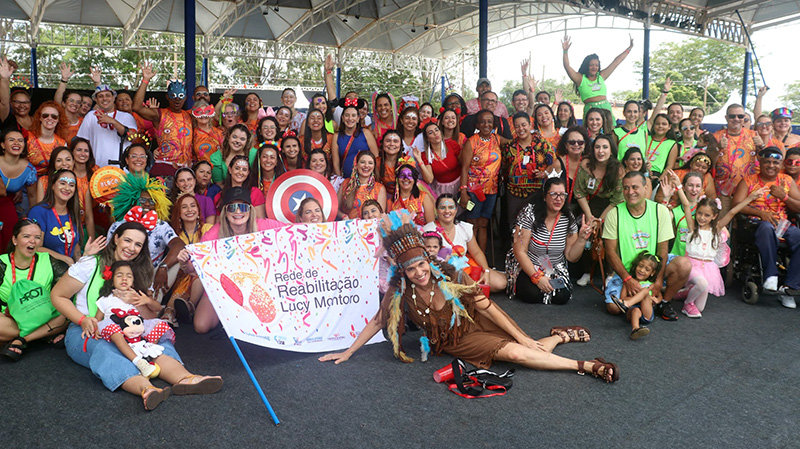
point(237, 208)
point(47, 116)
point(147, 202)
point(229, 114)
point(690, 128)
point(763, 125)
point(557, 195)
point(202, 94)
point(739, 116)
point(793, 163)
point(578, 143)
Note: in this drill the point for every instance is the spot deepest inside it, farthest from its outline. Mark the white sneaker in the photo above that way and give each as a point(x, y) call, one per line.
point(584, 280)
point(771, 284)
point(788, 302)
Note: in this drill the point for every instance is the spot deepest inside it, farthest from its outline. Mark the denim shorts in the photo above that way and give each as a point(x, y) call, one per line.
point(104, 359)
point(614, 286)
point(482, 209)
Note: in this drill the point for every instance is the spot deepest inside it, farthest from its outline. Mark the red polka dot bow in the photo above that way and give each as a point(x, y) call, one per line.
point(351, 102)
point(147, 220)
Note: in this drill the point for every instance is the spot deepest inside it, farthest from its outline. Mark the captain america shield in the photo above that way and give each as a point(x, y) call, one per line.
point(290, 189)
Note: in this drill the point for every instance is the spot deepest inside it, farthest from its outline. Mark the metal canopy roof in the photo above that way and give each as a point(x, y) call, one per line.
point(426, 28)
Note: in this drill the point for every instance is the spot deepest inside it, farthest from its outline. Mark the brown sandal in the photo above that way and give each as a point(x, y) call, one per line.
point(168, 315)
point(156, 397)
point(598, 363)
point(574, 333)
point(207, 385)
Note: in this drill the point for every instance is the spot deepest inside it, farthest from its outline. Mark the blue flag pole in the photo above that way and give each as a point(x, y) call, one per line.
point(255, 382)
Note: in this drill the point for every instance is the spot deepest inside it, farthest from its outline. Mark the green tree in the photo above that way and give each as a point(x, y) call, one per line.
point(792, 98)
point(703, 71)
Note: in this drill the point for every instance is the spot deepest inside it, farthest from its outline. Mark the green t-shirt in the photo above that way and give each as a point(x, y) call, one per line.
point(219, 169)
point(28, 301)
point(636, 234)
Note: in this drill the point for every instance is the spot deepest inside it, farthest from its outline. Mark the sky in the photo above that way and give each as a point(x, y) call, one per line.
point(780, 68)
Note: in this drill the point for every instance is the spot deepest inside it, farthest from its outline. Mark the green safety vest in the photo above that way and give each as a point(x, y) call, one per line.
point(636, 139)
point(95, 284)
point(635, 235)
point(658, 160)
point(681, 232)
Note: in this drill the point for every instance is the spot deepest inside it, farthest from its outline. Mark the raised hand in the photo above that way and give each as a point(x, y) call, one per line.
point(566, 43)
point(66, 71)
point(668, 84)
point(6, 68)
point(524, 66)
point(762, 91)
point(228, 94)
point(559, 95)
point(631, 45)
point(152, 103)
point(148, 72)
point(586, 229)
point(94, 246)
point(95, 75)
point(329, 63)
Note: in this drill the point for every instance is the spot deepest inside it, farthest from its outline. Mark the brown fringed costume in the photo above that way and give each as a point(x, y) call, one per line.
point(476, 341)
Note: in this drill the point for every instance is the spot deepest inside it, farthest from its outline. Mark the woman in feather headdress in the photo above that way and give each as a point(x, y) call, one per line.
point(455, 316)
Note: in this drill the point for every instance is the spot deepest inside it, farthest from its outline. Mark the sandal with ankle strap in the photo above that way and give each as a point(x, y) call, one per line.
point(168, 315)
point(208, 385)
point(574, 333)
point(158, 395)
point(14, 355)
point(598, 363)
point(184, 310)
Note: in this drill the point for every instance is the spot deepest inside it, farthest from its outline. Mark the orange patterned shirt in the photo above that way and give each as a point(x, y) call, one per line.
point(206, 143)
point(769, 202)
point(485, 165)
point(175, 137)
point(39, 152)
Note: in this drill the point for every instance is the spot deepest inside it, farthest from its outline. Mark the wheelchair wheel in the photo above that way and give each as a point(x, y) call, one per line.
point(750, 292)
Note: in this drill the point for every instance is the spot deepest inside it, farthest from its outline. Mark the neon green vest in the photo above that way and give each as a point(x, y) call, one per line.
point(636, 139)
point(657, 153)
point(681, 232)
point(636, 234)
point(589, 89)
point(95, 284)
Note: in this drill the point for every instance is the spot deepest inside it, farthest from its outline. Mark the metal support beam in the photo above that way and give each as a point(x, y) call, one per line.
point(204, 72)
point(646, 62)
point(746, 76)
point(321, 14)
point(443, 90)
point(37, 13)
point(338, 82)
point(227, 19)
point(483, 37)
point(190, 50)
point(34, 74)
point(137, 18)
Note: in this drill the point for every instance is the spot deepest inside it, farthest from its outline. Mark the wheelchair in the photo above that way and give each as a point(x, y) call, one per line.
point(745, 263)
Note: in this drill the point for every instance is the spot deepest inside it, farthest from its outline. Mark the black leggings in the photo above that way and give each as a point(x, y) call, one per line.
point(527, 292)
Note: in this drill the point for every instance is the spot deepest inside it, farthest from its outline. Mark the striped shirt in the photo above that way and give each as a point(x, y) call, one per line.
point(538, 246)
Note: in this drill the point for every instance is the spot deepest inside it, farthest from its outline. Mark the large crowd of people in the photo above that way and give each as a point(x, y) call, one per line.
point(651, 198)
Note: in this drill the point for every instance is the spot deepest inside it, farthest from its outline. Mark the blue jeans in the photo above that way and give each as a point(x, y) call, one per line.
point(614, 285)
point(104, 359)
point(482, 209)
point(767, 243)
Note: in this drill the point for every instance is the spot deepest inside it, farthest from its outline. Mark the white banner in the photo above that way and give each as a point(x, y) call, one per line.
point(303, 287)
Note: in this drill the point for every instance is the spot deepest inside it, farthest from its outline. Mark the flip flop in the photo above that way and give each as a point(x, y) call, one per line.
point(208, 385)
point(155, 398)
point(620, 304)
point(639, 332)
point(13, 355)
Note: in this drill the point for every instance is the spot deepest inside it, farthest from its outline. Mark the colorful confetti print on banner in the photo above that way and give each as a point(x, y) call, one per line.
point(303, 287)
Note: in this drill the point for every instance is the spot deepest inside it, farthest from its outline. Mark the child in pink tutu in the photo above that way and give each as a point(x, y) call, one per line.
point(706, 247)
